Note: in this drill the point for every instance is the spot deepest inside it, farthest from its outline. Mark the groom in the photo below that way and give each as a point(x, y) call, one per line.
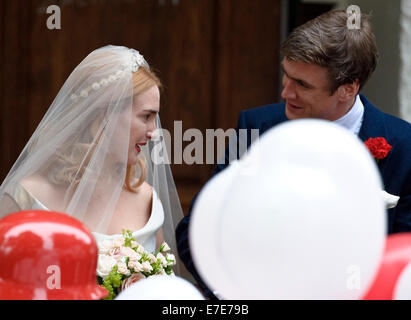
point(325, 66)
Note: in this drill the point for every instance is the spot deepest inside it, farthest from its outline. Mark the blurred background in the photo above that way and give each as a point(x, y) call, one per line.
point(215, 58)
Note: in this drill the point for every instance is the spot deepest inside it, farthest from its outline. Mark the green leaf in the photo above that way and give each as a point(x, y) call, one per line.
point(112, 282)
point(128, 237)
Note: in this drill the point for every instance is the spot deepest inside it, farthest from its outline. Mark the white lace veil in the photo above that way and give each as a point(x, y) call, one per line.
point(80, 148)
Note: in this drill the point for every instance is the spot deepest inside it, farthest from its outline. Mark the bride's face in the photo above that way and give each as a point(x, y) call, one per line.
point(146, 105)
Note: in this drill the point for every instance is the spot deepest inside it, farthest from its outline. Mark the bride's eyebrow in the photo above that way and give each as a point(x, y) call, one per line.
point(151, 111)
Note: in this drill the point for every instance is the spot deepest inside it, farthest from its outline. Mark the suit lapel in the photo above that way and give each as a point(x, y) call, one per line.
point(373, 126)
point(270, 122)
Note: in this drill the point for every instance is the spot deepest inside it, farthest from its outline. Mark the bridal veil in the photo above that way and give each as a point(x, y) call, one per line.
point(81, 146)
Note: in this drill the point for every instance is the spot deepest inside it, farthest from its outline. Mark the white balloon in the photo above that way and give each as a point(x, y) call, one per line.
point(161, 288)
point(402, 289)
point(206, 212)
point(306, 222)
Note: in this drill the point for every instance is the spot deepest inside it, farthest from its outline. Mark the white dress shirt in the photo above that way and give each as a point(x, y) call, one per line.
point(353, 119)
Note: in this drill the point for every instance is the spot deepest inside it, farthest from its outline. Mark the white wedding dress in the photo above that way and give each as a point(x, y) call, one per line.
point(145, 236)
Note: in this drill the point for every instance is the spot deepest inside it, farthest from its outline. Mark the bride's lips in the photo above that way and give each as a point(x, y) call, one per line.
point(138, 148)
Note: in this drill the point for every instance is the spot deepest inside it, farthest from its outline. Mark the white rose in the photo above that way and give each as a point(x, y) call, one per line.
point(114, 252)
point(132, 279)
point(140, 249)
point(171, 259)
point(165, 247)
point(161, 272)
point(104, 246)
point(151, 258)
point(134, 244)
point(119, 258)
point(146, 266)
point(162, 259)
point(128, 252)
point(122, 268)
point(118, 242)
point(135, 265)
point(104, 265)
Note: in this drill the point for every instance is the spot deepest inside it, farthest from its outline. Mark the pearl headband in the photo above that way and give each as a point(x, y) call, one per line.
point(137, 60)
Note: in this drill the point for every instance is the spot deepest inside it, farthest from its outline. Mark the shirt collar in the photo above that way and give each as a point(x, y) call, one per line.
point(352, 120)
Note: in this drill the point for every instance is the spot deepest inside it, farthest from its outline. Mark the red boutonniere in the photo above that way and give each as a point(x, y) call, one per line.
point(379, 147)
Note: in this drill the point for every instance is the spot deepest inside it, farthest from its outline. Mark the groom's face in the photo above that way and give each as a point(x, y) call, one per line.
point(306, 90)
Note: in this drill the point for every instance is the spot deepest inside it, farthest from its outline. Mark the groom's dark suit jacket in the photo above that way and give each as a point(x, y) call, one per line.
point(395, 169)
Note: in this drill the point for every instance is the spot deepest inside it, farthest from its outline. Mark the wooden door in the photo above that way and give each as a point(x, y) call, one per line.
point(215, 58)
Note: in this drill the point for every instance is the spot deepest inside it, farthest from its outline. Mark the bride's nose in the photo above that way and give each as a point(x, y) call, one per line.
point(152, 132)
point(152, 135)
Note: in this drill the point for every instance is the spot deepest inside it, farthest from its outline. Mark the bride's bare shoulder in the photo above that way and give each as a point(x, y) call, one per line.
point(38, 186)
point(141, 197)
point(145, 190)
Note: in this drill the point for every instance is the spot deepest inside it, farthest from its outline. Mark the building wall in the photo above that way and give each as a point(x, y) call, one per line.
point(405, 67)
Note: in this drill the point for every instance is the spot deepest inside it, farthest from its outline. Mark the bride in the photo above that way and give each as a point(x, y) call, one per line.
point(93, 155)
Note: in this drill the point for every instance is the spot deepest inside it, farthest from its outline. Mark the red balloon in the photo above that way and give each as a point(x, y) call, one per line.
point(396, 257)
point(47, 256)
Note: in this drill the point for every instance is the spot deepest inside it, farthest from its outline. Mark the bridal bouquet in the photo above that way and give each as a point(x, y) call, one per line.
point(123, 261)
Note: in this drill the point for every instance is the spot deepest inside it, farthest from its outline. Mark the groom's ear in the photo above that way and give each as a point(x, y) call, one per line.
point(348, 91)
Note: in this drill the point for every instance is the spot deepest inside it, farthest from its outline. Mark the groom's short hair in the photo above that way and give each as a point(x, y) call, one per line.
point(348, 53)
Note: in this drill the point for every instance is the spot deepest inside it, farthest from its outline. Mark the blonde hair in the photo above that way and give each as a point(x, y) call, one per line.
point(143, 79)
